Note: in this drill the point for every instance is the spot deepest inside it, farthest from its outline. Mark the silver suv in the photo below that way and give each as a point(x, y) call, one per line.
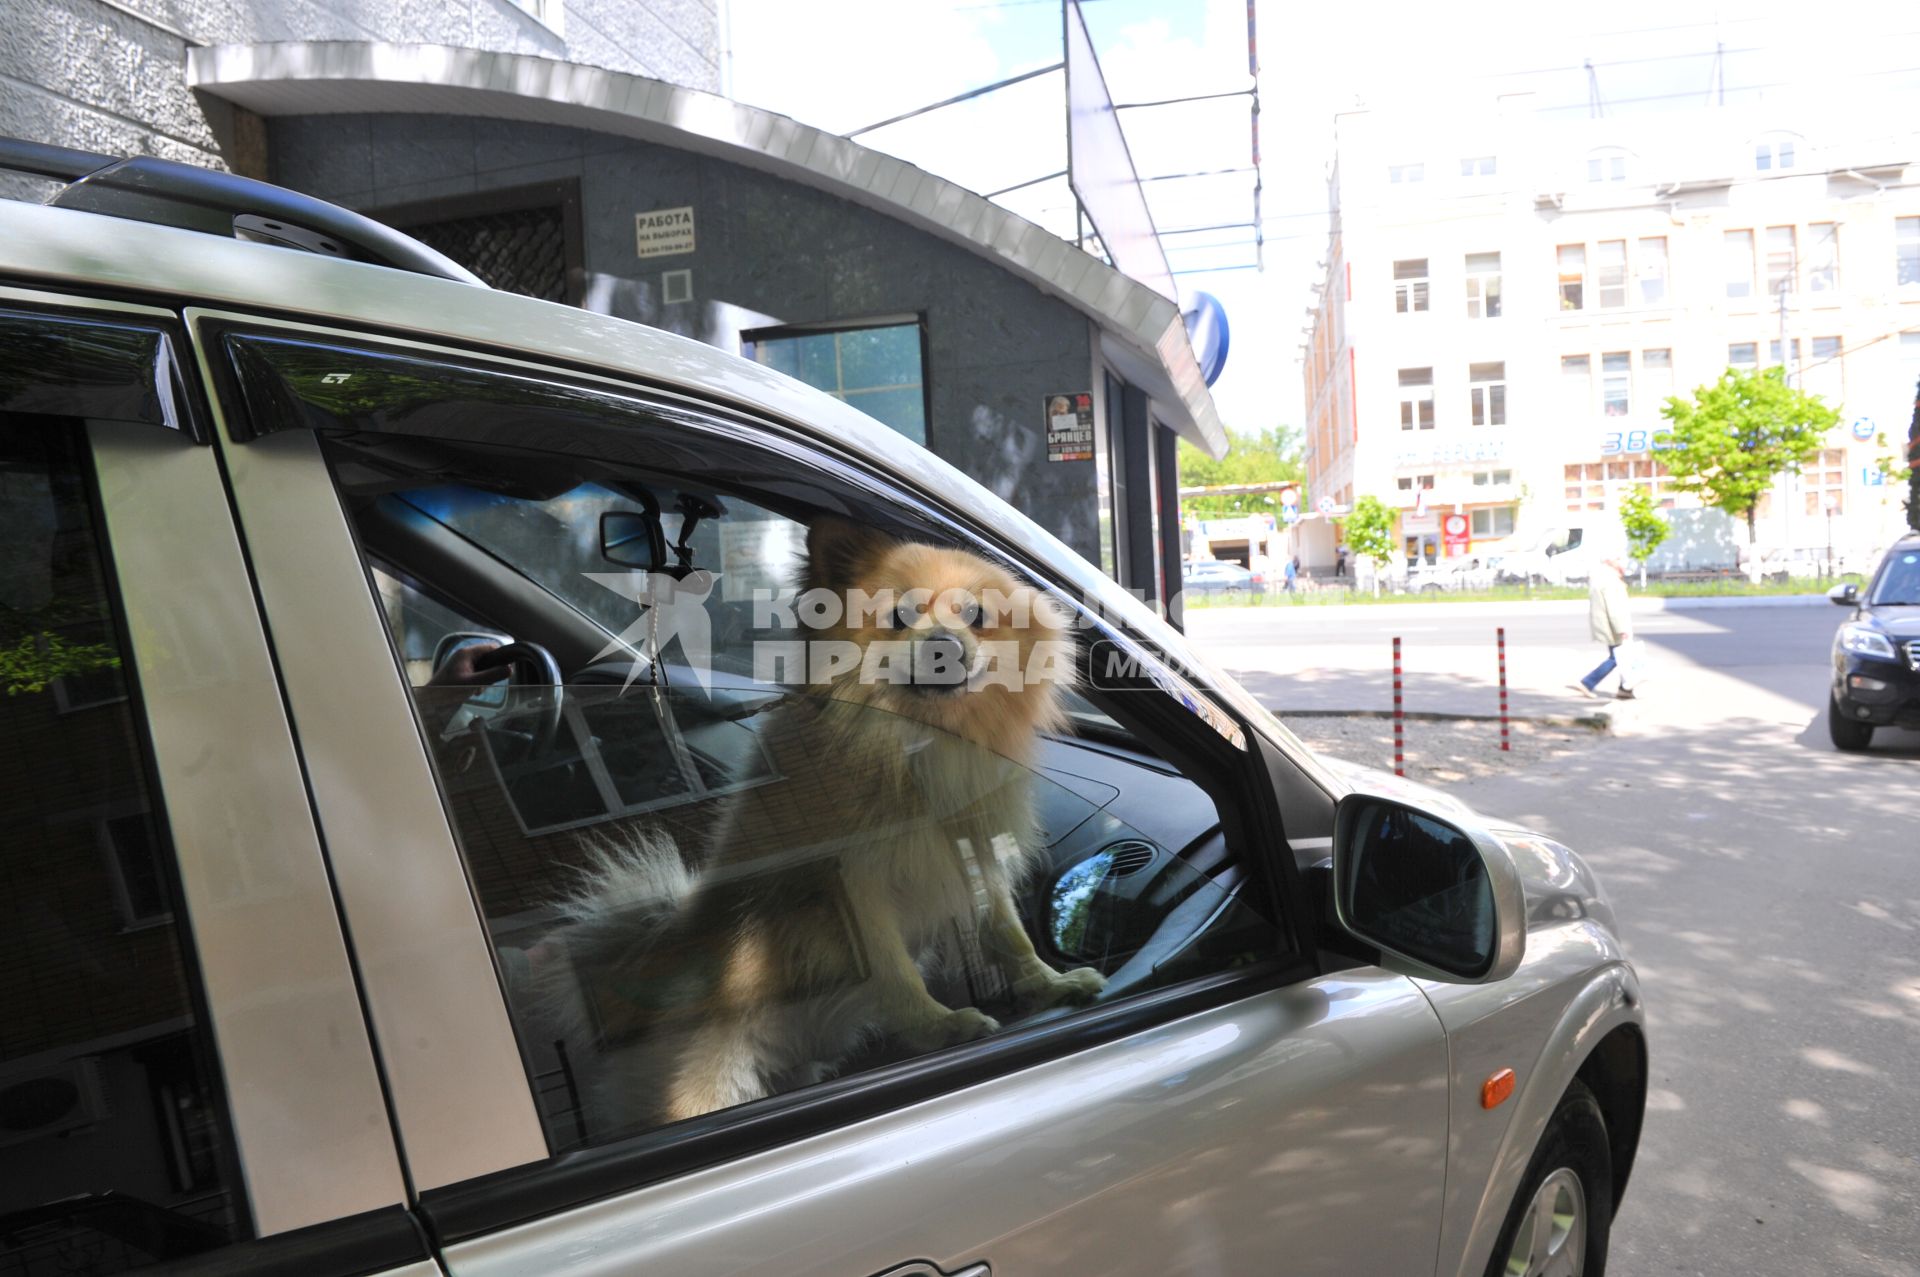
point(399, 672)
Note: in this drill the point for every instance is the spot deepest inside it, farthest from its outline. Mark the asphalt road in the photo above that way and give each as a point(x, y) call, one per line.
point(1768, 890)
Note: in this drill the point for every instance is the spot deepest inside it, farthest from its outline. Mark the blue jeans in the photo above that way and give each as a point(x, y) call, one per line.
point(1601, 670)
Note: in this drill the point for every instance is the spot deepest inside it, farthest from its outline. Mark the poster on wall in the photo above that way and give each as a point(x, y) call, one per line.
point(1070, 427)
point(664, 232)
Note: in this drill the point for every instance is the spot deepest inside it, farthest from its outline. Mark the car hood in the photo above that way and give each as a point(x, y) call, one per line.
point(1560, 886)
point(1900, 620)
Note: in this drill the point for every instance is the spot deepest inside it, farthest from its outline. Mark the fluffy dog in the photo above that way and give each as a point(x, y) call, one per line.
point(888, 849)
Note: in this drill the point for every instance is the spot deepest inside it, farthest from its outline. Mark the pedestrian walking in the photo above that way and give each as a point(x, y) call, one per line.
point(1611, 623)
point(1293, 572)
point(1340, 562)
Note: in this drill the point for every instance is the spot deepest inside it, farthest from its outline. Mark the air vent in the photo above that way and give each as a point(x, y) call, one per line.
point(1128, 857)
point(50, 1101)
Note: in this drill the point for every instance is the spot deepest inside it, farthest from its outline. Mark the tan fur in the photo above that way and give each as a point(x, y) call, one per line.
point(901, 828)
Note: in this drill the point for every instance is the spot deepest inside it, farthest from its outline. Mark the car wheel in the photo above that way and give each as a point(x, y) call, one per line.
point(1563, 1213)
point(1847, 733)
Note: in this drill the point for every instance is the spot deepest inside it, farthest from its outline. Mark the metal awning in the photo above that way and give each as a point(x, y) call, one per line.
point(1141, 331)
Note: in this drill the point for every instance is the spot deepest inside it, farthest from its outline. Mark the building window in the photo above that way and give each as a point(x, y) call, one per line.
point(1489, 391)
point(1479, 166)
point(1773, 354)
point(1416, 398)
point(1406, 483)
point(1772, 154)
point(1576, 384)
point(1496, 521)
point(1823, 257)
point(1607, 166)
point(1483, 285)
point(1611, 270)
point(1822, 375)
point(1410, 285)
point(1616, 380)
point(1653, 270)
point(1906, 250)
point(1573, 276)
point(1403, 174)
point(548, 13)
point(1782, 260)
point(1743, 354)
point(1492, 478)
point(876, 369)
point(1737, 248)
point(1656, 374)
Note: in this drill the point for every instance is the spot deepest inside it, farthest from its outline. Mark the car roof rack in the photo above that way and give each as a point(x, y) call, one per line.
point(216, 203)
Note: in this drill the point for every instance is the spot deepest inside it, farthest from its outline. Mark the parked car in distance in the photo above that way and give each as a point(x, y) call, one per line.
point(1449, 574)
point(1552, 556)
point(1218, 576)
point(329, 590)
point(1876, 653)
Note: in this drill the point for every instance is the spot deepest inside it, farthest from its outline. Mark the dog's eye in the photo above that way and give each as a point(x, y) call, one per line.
point(904, 616)
point(970, 614)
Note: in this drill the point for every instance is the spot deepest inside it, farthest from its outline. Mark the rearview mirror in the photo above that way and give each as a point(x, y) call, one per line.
point(1439, 901)
point(632, 539)
point(1846, 594)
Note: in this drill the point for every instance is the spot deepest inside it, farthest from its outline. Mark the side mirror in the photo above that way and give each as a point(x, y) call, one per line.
point(1846, 594)
point(1437, 900)
point(632, 539)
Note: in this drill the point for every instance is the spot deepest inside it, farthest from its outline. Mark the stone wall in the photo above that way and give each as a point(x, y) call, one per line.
point(110, 75)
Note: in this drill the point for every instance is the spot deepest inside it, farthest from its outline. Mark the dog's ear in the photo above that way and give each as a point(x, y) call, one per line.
point(840, 550)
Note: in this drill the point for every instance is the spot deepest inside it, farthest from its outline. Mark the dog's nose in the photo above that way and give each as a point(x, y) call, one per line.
point(940, 658)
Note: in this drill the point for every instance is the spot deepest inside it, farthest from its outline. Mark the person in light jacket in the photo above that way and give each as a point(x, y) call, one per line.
point(1611, 623)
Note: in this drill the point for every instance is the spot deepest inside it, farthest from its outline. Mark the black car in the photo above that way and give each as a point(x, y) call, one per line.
point(1876, 654)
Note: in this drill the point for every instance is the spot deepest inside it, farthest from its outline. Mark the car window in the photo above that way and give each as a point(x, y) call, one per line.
point(757, 838)
point(115, 1148)
point(1899, 580)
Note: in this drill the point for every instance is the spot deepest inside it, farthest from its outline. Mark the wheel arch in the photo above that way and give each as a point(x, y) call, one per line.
point(1615, 1070)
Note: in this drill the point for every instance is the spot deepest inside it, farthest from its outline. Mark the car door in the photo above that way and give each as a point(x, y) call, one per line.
point(517, 870)
point(186, 1077)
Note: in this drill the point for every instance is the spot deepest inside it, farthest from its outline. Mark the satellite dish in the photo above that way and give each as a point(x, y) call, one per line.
point(1207, 330)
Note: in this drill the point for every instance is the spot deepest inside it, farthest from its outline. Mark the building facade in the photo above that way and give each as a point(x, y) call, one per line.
point(1508, 302)
point(580, 150)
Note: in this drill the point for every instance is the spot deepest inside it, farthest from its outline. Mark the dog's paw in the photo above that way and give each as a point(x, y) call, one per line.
point(1049, 988)
point(950, 1029)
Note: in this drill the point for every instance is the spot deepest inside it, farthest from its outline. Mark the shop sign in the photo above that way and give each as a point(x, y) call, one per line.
point(1455, 528)
point(1443, 453)
point(1070, 427)
point(1619, 442)
point(664, 232)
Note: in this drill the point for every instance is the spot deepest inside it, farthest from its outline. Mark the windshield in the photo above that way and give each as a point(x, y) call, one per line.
point(1899, 581)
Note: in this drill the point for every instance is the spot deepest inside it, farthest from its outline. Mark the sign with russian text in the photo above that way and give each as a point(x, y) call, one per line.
point(665, 232)
point(1070, 427)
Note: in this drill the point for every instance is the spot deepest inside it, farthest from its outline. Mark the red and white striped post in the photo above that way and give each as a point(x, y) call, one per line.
point(1399, 719)
point(1501, 633)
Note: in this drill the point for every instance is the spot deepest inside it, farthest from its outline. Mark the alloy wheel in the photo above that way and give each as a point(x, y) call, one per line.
point(1552, 1238)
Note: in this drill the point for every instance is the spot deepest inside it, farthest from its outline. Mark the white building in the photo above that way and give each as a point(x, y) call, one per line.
point(1509, 300)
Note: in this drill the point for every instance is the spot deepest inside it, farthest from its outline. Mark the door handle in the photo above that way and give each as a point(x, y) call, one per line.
point(921, 1268)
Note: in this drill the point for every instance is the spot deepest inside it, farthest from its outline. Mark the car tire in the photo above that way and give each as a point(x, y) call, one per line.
point(1848, 734)
point(1563, 1214)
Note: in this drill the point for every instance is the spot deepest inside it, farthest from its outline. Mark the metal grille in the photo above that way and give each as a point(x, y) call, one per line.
point(519, 252)
point(1913, 654)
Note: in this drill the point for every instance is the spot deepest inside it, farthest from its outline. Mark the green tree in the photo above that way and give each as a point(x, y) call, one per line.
point(34, 660)
point(1271, 456)
point(1733, 437)
point(1645, 528)
point(1368, 530)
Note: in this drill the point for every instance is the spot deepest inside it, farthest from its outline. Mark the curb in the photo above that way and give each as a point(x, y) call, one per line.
point(1599, 721)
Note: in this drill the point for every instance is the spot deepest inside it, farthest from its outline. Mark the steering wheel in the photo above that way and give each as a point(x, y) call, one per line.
point(530, 665)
